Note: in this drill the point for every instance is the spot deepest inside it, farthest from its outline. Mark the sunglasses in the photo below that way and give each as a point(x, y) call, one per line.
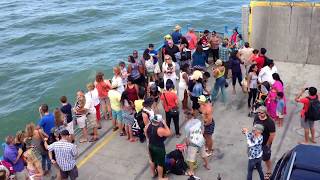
point(261, 113)
point(167, 59)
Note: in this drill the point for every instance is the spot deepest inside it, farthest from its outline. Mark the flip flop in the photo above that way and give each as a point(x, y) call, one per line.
point(93, 139)
point(133, 140)
point(83, 140)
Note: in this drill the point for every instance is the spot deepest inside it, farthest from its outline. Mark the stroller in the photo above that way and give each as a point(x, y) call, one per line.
point(263, 90)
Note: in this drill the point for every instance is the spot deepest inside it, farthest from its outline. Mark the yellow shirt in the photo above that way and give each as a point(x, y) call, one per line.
point(138, 104)
point(115, 98)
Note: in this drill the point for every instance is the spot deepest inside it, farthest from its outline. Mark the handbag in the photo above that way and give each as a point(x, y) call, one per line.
point(173, 111)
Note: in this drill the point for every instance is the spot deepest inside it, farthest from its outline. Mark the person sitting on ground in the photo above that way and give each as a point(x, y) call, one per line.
point(208, 123)
point(266, 73)
point(66, 109)
point(103, 86)
point(115, 98)
point(268, 134)
point(218, 73)
point(199, 59)
point(195, 143)
point(171, 106)
point(33, 167)
point(127, 108)
point(91, 101)
point(156, 132)
point(254, 142)
point(81, 115)
point(234, 65)
point(66, 154)
point(10, 155)
point(307, 123)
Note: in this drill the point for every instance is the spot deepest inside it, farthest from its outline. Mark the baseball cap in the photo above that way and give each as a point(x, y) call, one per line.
point(202, 99)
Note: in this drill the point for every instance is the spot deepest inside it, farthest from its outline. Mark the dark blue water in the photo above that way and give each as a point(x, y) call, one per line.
point(53, 48)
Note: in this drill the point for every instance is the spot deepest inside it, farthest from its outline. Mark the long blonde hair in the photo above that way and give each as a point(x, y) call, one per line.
point(30, 130)
point(31, 158)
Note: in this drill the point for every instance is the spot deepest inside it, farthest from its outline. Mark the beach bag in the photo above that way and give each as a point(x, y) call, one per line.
point(196, 136)
point(313, 112)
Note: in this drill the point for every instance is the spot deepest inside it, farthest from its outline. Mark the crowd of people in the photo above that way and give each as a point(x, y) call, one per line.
point(130, 100)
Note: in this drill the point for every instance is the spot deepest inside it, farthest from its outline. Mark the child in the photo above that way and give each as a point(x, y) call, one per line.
point(19, 143)
point(115, 98)
point(66, 110)
point(124, 73)
point(34, 169)
point(280, 109)
point(254, 142)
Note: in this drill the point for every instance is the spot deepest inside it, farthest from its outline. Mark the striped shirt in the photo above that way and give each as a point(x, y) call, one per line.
point(65, 154)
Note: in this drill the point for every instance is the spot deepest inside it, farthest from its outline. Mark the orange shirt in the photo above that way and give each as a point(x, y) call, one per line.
point(169, 100)
point(103, 89)
point(192, 40)
point(306, 103)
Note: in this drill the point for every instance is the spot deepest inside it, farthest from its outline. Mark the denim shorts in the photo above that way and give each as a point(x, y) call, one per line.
point(117, 115)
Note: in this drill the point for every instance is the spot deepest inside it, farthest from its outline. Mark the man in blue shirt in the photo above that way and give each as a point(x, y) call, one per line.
point(47, 119)
point(176, 35)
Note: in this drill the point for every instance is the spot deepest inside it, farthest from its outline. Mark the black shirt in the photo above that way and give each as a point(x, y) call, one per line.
point(269, 127)
point(172, 51)
point(66, 110)
point(154, 138)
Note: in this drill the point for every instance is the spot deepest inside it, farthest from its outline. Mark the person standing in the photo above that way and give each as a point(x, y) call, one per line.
point(176, 35)
point(10, 155)
point(66, 109)
point(117, 78)
point(66, 154)
point(224, 52)
point(136, 70)
point(271, 101)
point(171, 49)
point(261, 59)
point(169, 70)
point(33, 166)
point(183, 86)
point(307, 122)
point(115, 98)
point(219, 74)
point(253, 85)
point(266, 73)
point(81, 115)
point(245, 54)
point(127, 107)
point(170, 104)
point(207, 115)
point(91, 102)
point(268, 134)
point(234, 63)
point(199, 59)
point(192, 39)
point(254, 142)
point(103, 86)
point(156, 132)
point(205, 44)
point(195, 143)
point(214, 42)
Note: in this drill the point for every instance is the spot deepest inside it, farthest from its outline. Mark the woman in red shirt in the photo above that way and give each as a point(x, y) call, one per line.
point(170, 102)
point(103, 86)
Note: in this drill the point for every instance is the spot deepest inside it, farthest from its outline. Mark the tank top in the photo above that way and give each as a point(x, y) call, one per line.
point(154, 138)
point(220, 73)
point(253, 81)
point(132, 93)
point(135, 74)
point(103, 89)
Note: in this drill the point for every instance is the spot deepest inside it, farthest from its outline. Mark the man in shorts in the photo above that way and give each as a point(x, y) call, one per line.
point(268, 134)
point(66, 109)
point(91, 115)
point(207, 114)
point(307, 124)
point(115, 97)
point(195, 142)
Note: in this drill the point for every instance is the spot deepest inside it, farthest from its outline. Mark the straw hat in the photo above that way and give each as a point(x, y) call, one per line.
point(177, 28)
point(218, 62)
point(202, 99)
point(196, 75)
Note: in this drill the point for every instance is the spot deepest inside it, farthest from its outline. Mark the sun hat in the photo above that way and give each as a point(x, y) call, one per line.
point(196, 75)
point(177, 27)
point(157, 118)
point(258, 127)
point(114, 84)
point(218, 62)
point(202, 99)
point(168, 36)
point(262, 109)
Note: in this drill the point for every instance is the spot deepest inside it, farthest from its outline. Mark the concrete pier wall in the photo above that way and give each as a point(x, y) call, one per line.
point(289, 31)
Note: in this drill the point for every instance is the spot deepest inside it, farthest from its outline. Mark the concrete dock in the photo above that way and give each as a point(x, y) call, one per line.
point(115, 158)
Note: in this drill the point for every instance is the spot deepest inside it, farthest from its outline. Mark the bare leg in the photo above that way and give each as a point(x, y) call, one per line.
point(85, 133)
point(109, 111)
point(95, 133)
point(127, 131)
point(209, 142)
point(160, 172)
point(205, 165)
point(269, 166)
point(152, 167)
point(313, 139)
point(306, 135)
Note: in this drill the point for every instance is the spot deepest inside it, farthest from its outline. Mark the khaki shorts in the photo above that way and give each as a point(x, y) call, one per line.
point(70, 127)
point(81, 121)
point(192, 153)
point(92, 120)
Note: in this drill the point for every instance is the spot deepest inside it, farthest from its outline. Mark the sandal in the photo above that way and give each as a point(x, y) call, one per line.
point(267, 176)
point(93, 139)
point(133, 140)
point(115, 128)
point(83, 140)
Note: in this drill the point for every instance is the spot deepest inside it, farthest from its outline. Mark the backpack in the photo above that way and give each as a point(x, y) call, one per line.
point(180, 166)
point(313, 112)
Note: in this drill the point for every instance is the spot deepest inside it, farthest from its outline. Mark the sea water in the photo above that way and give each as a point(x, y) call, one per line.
point(54, 48)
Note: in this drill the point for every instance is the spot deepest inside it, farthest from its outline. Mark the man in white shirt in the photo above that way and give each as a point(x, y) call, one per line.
point(266, 73)
point(245, 54)
point(91, 111)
